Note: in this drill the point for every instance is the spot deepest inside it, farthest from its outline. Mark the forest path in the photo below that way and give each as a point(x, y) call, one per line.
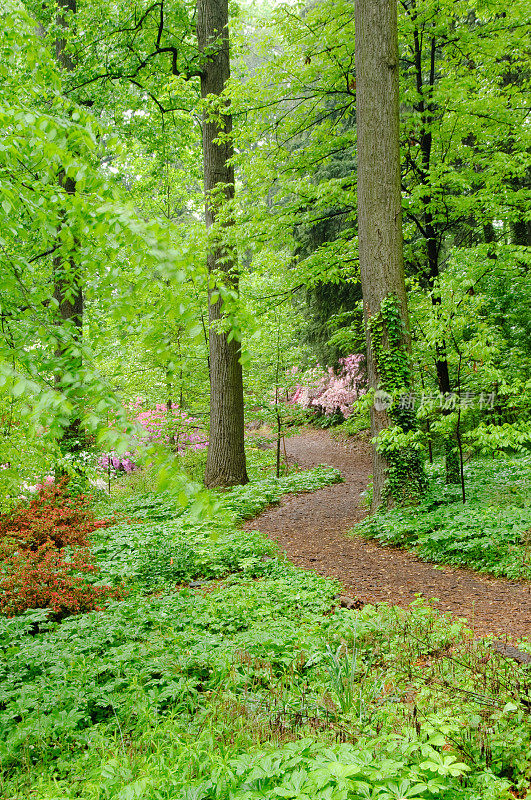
point(311, 529)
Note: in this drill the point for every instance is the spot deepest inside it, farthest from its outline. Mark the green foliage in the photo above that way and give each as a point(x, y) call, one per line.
point(389, 346)
point(212, 673)
point(246, 687)
point(173, 545)
point(306, 769)
point(489, 533)
point(89, 237)
point(488, 363)
point(359, 420)
point(333, 320)
point(400, 444)
point(351, 680)
point(404, 455)
point(325, 421)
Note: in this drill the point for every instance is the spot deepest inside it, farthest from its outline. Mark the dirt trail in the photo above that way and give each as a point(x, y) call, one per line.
point(311, 529)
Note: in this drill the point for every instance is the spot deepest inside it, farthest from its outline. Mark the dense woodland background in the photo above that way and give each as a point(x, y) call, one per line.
point(191, 200)
point(102, 205)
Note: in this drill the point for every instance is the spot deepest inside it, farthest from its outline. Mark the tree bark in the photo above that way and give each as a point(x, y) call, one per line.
point(379, 195)
point(427, 109)
point(68, 289)
point(64, 58)
point(226, 465)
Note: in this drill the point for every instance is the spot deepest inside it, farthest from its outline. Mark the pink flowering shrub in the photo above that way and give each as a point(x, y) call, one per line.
point(124, 462)
point(325, 391)
point(160, 425)
point(310, 385)
point(172, 427)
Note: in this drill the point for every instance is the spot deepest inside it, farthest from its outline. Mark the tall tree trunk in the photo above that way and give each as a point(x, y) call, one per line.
point(379, 204)
point(68, 289)
point(226, 464)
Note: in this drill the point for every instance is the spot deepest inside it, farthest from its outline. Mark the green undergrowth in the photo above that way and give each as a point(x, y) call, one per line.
point(357, 424)
point(250, 683)
point(255, 690)
point(175, 543)
point(490, 532)
point(145, 483)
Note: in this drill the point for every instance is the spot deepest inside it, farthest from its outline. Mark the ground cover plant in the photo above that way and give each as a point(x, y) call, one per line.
point(491, 532)
point(229, 694)
point(176, 545)
point(227, 673)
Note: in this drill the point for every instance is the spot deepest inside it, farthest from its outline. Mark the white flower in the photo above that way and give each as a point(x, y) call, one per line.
point(99, 483)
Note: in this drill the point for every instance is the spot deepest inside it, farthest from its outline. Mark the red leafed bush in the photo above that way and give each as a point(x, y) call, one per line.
point(45, 556)
point(53, 516)
point(49, 577)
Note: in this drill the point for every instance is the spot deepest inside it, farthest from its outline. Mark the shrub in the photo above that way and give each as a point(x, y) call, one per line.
point(53, 516)
point(46, 558)
point(329, 392)
point(49, 577)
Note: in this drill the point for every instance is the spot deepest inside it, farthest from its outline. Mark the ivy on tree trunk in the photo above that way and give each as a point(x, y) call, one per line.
point(380, 236)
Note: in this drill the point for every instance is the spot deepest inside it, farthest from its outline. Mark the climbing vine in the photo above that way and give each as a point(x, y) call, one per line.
point(400, 444)
point(392, 362)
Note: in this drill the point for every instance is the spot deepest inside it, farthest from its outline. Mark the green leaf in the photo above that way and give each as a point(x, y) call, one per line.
point(19, 388)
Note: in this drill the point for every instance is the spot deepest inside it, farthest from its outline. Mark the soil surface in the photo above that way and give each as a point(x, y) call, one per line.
point(312, 530)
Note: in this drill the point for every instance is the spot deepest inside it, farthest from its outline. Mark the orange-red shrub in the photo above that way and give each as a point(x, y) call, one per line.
point(52, 516)
point(51, 578)
point(45, 555)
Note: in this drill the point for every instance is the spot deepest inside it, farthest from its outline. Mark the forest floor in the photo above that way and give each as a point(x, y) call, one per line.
point(312, 530)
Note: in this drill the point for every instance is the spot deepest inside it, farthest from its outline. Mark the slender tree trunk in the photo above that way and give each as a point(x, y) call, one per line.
point(169, 392)
point(379, 196)
point(521, 228)
point(68, 289)
point(68, 294)
point(62, 56)
point(426, 109)
point(441, 361)
point(226, 464)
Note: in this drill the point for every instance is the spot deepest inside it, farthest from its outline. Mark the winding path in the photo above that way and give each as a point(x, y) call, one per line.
point(311, 529)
